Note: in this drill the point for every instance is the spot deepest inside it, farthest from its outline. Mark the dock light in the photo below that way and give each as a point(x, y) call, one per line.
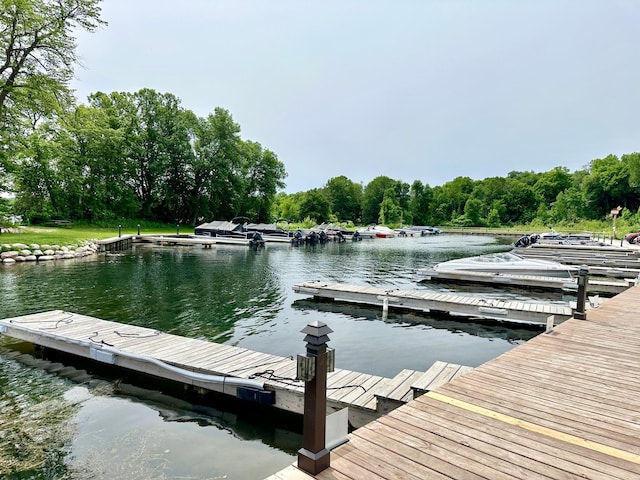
point(138, 229)
point(314, 456)
point(583, 281)
point(119, 231)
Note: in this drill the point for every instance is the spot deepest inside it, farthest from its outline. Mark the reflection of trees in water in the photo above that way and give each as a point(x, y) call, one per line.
point(484, 328)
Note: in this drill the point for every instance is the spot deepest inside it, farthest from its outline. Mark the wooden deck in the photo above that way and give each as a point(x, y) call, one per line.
point(516, 312)
point(565, 405)
point(202, 364)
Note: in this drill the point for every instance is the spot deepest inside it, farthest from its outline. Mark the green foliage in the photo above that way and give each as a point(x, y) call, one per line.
point(315, 205)
point(345, 198)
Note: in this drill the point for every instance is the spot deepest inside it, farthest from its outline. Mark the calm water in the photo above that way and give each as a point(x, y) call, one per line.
point(236, 296)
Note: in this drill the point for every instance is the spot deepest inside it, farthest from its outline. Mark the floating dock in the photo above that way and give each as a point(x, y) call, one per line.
point(238, 372)
point(531, 282)
point(564, 405)
point(516, 312)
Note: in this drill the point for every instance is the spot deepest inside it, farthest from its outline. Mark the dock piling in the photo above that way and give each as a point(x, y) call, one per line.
point(314, 457)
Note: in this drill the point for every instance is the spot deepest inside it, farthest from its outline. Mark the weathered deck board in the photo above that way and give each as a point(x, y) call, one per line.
point(565, 405)
point(518, 312)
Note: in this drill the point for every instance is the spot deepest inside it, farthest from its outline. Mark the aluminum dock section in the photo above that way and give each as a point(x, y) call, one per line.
point(238, 372)
point(564, 405)
point(516, 312)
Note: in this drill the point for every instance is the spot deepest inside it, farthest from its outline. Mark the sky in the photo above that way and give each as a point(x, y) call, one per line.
point(423, 90)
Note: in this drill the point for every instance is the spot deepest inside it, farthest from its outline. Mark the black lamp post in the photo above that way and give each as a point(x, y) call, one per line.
point(314, 457)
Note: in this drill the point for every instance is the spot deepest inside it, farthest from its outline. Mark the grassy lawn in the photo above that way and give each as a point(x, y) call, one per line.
point(76, 235)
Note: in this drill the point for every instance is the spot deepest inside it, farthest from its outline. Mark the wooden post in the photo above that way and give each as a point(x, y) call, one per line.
point(582, 293)
point(314, 457)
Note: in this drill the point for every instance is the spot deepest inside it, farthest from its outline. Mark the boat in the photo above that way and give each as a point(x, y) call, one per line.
point(376, 231)
point(507, 263)
point(239, 228)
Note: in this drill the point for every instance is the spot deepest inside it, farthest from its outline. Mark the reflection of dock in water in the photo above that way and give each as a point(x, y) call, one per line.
point(487, 328)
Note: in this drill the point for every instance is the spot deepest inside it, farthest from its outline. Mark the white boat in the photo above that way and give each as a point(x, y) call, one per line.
point(507, 263)
point(376, 231)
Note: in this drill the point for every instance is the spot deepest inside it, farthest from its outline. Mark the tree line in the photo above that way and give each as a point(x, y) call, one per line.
point(545, 198)
point(140, 155)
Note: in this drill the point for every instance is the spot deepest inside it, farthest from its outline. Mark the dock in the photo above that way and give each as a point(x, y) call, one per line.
point(205, 366)
point(564, 405)
point(515, 312)
point(530, 282)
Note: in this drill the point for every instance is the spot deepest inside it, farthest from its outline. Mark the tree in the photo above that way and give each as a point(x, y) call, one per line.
point(551, 183)
point(315, 205)
point(607, 186)
point(373, 196)
point(472, 212)
point(38, 50)
point(420, 203)
point(263, 177)
point(345, 197)
point(390, 210)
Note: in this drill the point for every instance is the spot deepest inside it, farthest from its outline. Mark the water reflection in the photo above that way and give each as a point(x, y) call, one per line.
point(484, 328)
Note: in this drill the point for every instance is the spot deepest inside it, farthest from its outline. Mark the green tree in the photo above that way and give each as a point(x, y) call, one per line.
point(390, 210)
point(263, 177)
point(607, 186)
point(37, 56)
point(472, 212)
point(345, 197)
point(218, 168)
point(551, 183)
point(315, 205)
point(373, 196)
point(420, 203)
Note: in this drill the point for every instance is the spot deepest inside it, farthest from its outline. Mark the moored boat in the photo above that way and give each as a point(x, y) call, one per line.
point(507, 263)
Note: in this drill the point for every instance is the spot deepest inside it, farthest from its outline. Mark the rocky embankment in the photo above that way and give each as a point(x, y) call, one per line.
point(19, 252)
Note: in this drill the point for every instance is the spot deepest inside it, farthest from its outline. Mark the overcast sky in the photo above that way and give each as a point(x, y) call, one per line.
point(412, 89)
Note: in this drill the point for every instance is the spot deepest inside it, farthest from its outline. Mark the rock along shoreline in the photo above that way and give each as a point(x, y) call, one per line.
point(20, 252)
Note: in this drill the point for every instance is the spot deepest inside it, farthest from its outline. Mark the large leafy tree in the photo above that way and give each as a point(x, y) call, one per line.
point(420, 203)
point(345, 197)
point(373, 196)
point(315, 205)
point(263, 177)
point(37, 56)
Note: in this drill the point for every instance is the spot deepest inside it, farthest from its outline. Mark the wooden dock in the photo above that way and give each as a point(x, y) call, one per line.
point(238, 372)
point(565, 405)
point(595, 285)
point(515, 312)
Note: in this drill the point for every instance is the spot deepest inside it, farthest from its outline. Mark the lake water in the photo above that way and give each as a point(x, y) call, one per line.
point(230, 295)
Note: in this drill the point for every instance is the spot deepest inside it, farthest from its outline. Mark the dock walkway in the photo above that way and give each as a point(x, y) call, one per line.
point(516, 312)
point(562, 406)
point(239, 372)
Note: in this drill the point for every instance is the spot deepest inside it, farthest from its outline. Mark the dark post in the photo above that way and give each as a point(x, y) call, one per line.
point(314, 457)
point(583, 281)
point(119, 231)
point(138, 229)
point(178, 229)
